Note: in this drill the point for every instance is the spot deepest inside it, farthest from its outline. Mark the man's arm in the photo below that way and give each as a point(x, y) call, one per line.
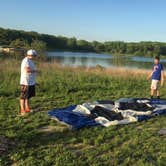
point(29, 70)
point(150, 75)
point(162, 77)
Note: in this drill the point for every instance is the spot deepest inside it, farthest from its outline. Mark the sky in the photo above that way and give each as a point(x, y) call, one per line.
point(101, 20)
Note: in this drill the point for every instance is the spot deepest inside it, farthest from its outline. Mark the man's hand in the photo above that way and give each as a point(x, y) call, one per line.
point(29, 70)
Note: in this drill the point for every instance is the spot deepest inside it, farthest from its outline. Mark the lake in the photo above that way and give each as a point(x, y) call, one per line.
point(75, 59)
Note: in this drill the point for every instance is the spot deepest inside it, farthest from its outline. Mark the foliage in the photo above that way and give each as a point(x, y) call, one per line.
point(22, 39)
point(134, 144)
point(18, 43)
point(35, 44)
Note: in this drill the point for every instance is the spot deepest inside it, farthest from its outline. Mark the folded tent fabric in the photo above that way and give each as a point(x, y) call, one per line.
point(143, 117)
point(109, 107)
point(129, 112)
point(75, 119)
point(83, 109)
point(105, 102)
point(107, 114)
point(135, 104)
point(105, 122)
point(159, 110)
point(99, 111)
point(158, 101)
point(86, 108)
point(159, 106)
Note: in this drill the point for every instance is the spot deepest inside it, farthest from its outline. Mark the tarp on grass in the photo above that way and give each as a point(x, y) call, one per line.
point(107, 113)
point(75, 119)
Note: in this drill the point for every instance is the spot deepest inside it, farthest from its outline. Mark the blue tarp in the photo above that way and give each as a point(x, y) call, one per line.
point(158, 101)
point(157, 112)
point(75, 119)
point(78, 120)
point(143, 117)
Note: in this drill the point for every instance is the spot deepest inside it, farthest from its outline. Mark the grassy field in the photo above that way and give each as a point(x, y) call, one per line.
point(31, 145)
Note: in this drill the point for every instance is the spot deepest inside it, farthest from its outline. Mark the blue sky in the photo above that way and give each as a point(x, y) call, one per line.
point(102, 20)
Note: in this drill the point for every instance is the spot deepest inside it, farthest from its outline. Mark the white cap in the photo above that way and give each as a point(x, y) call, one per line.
point(31, 52)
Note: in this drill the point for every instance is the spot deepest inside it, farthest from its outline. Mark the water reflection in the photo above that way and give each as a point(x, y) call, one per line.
point(105, 60)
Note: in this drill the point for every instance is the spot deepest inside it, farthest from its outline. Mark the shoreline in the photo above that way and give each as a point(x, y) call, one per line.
point(115, 71)
point(46, 66)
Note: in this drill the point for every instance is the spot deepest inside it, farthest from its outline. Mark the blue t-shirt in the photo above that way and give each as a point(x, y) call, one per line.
point(157, 72)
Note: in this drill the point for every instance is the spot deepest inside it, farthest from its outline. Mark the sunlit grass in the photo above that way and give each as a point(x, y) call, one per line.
point(133, 144)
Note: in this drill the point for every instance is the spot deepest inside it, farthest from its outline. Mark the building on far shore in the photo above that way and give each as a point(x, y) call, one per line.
point(12, 50)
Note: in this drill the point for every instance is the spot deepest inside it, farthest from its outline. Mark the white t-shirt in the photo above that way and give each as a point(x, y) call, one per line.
point(27, 78)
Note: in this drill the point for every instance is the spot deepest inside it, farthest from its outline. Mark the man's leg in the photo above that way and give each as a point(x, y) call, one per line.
point(22, 105)
point(27, 107)
point(158, 93)
point(152, 93)
point(152, 89)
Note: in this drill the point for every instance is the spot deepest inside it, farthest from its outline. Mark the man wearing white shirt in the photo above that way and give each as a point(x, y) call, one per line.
point(27, 81)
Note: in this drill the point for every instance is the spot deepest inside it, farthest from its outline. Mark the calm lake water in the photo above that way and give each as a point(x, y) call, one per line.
point(105, 60)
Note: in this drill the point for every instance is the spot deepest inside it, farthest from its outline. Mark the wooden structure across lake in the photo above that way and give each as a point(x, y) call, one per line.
point(12, 51)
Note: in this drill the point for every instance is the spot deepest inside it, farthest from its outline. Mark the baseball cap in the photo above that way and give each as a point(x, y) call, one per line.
point(32, 52)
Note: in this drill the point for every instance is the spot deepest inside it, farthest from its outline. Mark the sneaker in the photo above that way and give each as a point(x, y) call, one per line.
point(29, 110)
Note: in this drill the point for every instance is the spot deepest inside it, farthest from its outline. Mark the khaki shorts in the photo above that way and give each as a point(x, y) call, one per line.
point(154, 84)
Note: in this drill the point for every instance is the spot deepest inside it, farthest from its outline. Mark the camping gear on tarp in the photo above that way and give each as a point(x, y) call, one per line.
point(136, 104)
point(99, 111)
point(107, 113)
point(75, 119)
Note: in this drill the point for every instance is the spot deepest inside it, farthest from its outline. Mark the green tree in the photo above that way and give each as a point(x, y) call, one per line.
point(72, 43)
point(38, 45)
point(18, 43)
point(84, 45)
point(23, 39)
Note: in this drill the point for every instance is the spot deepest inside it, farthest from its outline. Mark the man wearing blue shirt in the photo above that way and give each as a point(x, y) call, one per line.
point(157, 75)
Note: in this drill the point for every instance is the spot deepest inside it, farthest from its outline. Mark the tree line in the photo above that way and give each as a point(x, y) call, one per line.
point(23, 39)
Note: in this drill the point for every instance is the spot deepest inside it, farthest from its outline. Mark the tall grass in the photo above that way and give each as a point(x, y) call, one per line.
point(134, 144)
